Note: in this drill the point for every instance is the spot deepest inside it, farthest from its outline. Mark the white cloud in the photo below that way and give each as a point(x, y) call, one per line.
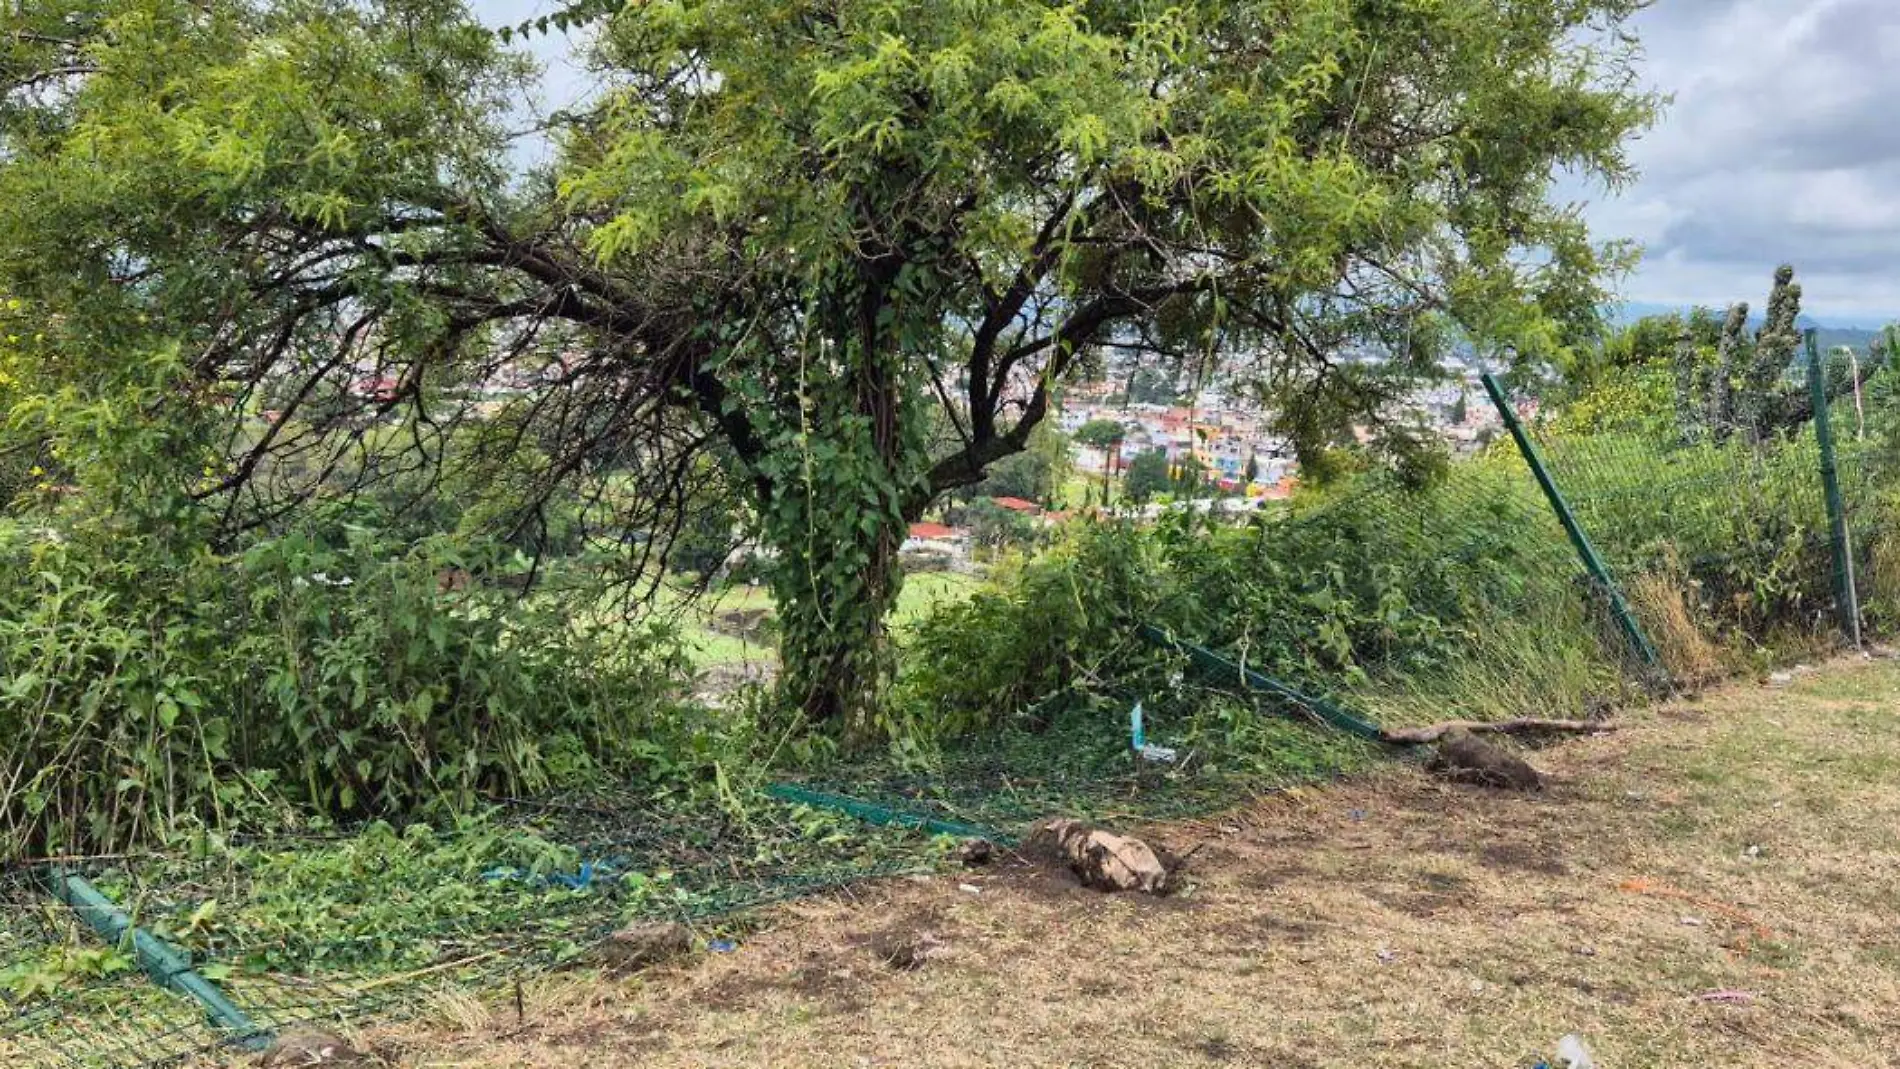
point(1782, 145)
point(564, 80)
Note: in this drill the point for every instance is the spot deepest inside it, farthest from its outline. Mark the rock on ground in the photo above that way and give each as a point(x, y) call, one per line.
point(908, 952)
point(975, 853)
point(1102, 859)
point(641, 945)
point(310, 1047)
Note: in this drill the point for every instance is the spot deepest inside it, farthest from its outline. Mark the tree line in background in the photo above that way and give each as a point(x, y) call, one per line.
point(1729, 377)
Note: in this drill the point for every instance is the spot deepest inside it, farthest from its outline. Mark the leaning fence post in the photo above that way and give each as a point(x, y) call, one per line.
point(1846, 600)
point(1592, 563)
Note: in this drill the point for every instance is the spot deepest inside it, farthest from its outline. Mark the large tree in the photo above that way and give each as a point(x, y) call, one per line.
point(846, 248)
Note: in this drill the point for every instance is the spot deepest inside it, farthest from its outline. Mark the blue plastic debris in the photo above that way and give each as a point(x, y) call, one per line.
point(722, 946)
point(1138, 739)
point(579, 880)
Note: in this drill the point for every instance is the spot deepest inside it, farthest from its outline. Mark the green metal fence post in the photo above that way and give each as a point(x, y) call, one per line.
point(1592, 563)
point(166, 966)
point(1846, 600)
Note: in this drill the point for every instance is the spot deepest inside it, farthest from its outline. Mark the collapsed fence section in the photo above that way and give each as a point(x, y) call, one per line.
point(1262, 654)
point(302, 930)
point(1730, 542)
point(1398, 599)
point(1479, 600)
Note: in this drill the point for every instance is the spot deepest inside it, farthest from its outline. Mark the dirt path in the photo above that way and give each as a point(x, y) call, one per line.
point(1746, 843)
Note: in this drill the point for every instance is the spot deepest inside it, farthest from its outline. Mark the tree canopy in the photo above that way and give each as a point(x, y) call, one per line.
point(837, 254)
point(1148, 475)
point(1100, 433)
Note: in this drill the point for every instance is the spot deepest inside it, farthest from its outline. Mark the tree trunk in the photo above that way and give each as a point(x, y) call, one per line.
point(838, 515)
point(834, 646)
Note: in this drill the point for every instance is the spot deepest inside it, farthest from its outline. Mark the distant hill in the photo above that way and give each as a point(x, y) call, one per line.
point(1858, 336)
point(1830, 338)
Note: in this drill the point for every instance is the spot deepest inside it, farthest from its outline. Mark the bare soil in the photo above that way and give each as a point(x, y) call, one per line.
point(1714, 885)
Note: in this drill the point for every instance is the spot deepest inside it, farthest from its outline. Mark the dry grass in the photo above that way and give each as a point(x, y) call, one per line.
point(1882, 582)
point(1749, 841)
point(1661, 600)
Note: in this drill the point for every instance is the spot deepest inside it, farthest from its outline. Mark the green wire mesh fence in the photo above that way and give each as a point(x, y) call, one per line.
point(324, 930)
point(1729, 542)
point(1461, 585)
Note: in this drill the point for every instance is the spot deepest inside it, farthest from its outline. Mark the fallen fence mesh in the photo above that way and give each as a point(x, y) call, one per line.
point(302, 930)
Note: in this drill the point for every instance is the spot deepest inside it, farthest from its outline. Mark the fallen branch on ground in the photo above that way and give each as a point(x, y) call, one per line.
point(1525, 726)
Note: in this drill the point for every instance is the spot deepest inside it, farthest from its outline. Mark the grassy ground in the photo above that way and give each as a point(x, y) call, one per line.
point(710, 648)
point(1745, 846)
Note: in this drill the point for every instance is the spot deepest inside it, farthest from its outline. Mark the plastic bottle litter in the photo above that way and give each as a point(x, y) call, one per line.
point(1138, 738)
point(1572, 1054)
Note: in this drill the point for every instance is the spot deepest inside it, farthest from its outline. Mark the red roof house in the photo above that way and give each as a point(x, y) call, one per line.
point(1281, 490)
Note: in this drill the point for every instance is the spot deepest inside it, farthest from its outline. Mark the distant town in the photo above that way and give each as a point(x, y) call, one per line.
point(1222, 435)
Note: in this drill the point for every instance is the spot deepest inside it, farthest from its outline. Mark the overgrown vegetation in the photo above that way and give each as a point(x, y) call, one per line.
point(1365, 589)
point(347, 478)
point(1452, 589)
point(150, 684)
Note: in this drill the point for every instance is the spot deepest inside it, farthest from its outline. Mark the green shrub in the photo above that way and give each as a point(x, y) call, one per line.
point(1035, 627)
point(1374, 589)
point(150, 684)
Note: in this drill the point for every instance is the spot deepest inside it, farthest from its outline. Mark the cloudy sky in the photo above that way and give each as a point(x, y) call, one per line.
point(1782, 145)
